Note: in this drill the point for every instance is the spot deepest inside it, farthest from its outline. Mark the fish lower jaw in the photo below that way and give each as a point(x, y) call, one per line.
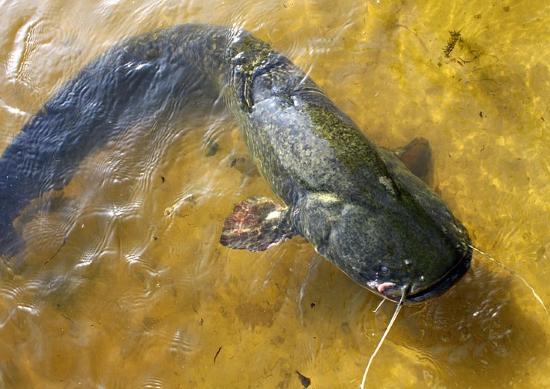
point(442, 285)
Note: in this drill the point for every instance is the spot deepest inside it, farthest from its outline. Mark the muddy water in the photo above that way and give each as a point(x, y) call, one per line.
point(124, 283)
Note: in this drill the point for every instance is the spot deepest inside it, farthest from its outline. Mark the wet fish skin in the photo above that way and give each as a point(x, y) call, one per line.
point(357, 204)
point(138, 80)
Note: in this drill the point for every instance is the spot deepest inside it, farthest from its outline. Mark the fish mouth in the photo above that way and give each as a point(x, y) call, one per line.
point(444, 283)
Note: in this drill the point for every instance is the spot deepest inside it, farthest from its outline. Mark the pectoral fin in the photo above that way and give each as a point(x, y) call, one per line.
point(417, 157)
point(256, 224)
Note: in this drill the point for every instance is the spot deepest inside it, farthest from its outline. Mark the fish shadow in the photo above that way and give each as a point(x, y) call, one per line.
point(478, 333)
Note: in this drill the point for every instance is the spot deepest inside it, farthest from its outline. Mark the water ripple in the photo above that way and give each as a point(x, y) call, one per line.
point(153, 383)
point(182, 343)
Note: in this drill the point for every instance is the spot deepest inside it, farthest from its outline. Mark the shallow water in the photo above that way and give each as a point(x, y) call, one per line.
point(125, 285)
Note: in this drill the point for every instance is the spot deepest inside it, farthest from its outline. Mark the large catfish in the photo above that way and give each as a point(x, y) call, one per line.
point(360, 206)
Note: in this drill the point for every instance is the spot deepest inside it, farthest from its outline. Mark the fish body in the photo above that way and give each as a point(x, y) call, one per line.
point(357, 204)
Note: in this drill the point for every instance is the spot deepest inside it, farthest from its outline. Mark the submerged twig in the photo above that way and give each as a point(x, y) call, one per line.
point(217, 353)
point(56, 252)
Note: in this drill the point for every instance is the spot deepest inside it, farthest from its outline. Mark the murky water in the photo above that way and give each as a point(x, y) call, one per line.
point(124, 283)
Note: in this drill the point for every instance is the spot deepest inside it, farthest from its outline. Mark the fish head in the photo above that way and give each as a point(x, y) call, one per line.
point(405, 246)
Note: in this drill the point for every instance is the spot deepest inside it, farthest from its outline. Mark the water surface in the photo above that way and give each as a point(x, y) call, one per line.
point(124, 283)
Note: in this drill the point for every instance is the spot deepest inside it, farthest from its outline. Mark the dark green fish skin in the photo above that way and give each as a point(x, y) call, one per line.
point(357, 204)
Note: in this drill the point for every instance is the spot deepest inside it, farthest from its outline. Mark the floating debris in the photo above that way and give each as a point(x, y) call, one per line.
point(217, 353)
point(305, 381)
point(451, 43)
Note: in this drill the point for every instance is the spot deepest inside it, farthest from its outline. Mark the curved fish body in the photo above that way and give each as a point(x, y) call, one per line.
point(358, 205)
point(138, 80)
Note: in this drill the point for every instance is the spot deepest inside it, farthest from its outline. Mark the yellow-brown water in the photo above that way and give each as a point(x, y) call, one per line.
point(125, 284)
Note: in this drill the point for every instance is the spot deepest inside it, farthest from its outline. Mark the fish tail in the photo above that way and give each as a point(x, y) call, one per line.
point(139, 79)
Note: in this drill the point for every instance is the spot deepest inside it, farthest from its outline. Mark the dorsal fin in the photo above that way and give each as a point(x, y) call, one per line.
point(417, 157)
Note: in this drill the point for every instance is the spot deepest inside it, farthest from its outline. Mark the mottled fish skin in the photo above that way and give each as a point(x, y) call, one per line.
point(357, 204)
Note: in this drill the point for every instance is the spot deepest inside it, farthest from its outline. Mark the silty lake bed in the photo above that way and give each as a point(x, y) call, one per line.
point(124, 283)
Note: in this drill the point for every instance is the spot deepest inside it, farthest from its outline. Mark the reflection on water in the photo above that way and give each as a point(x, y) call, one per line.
point(124, 283)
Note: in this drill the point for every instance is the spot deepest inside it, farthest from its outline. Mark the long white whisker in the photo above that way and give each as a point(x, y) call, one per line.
point(390, 324)
point(379, 305)
point(514, 273)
